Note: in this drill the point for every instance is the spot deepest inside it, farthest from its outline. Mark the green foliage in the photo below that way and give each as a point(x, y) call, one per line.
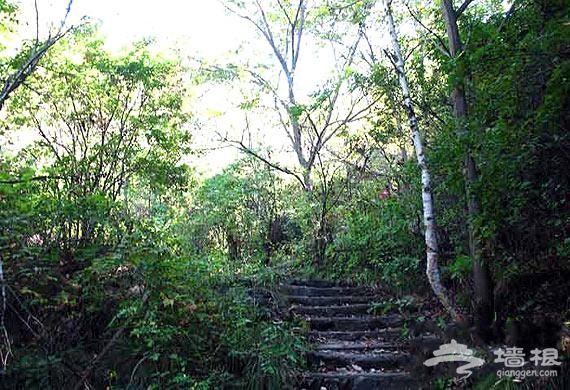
point(402, 305)
point(442, 383)
point(460, 268)
point(381, 234)
point(519, 129)
point(8, 12)
point(112, 248)
point(195, 306)
point(514, 68)
point(188, 321)
point(491, 381)
point(103, 121)
point(217, 74)
point(232, 211)
point(94, 224)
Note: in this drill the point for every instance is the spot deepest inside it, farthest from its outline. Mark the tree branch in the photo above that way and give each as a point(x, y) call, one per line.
point(463, 7)
point(35, 178)
point(508, 16)
point(39, 49)
point(241, 146)
point(439, 43)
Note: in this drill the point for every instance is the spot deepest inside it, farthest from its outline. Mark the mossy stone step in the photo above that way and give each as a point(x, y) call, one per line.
point(355, 323)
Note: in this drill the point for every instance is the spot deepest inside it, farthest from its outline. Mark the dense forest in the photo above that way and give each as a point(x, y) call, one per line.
point(416, 153)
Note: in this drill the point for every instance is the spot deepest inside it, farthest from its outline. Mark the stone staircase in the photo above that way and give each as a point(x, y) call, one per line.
point(352, 349)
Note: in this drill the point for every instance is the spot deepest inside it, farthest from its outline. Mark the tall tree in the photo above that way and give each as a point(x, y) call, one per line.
point(309, 124)
point(103, 120)
point(432, 268)
point(481, 274)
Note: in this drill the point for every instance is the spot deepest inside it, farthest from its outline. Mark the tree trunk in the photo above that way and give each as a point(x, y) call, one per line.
point(233, 246)
point(322, 237)
point(432, 268)
point(481, 274)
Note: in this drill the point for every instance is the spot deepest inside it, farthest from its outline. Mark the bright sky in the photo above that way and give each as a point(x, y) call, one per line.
point(203, 24)
point(200, 29)
point(197, 28)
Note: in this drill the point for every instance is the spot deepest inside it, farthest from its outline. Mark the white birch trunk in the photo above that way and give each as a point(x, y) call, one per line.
point(432, 268)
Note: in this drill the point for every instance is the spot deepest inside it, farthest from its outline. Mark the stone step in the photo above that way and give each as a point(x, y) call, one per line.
point(335, 310)
point(320, 283)
point(390, 334)
point(423, 344)
point(370, 345)
point(366, 361)
point(293, 290)
point(358, 381)
point(355, 323)
point(327, 301)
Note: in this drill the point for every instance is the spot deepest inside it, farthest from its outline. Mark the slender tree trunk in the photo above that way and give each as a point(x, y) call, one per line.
point(5, 345)
point(432, 268)
point(481, 274)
